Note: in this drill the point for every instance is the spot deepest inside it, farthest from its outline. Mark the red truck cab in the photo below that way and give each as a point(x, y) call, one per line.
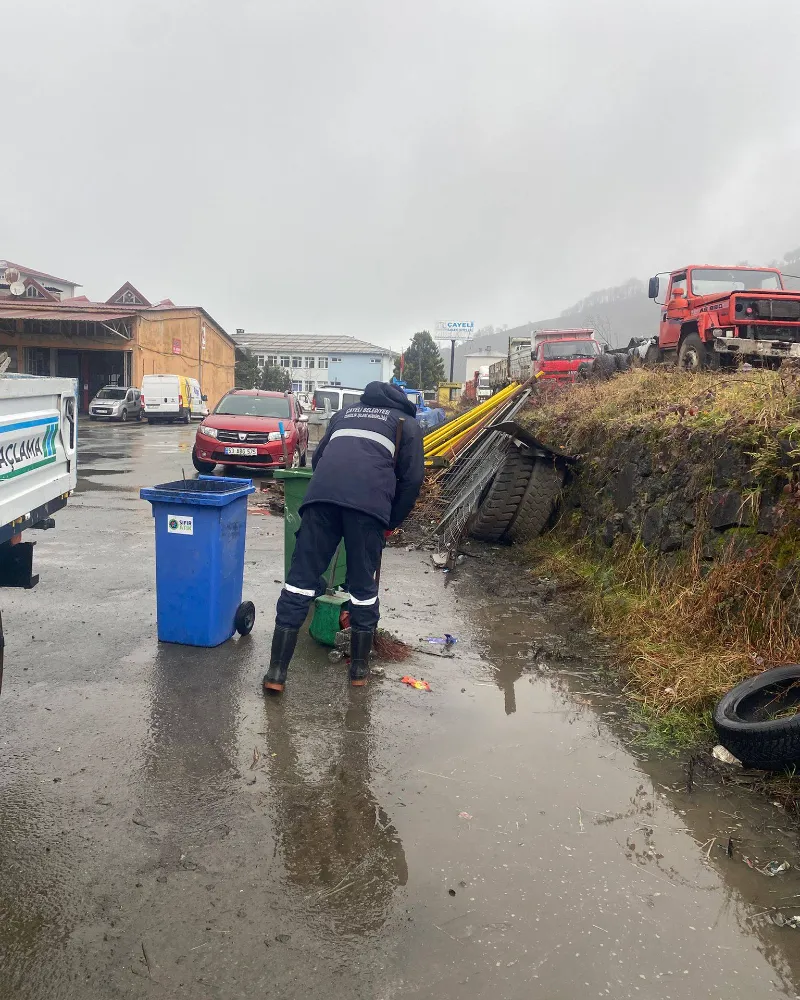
point(711, 315)
point(558, 354)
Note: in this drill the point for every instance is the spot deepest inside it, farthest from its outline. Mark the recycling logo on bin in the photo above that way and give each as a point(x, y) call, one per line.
point(180, 525)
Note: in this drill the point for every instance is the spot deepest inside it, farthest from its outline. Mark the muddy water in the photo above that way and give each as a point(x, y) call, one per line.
point(164, 831)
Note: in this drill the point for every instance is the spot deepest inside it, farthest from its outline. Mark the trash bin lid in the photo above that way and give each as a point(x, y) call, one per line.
point(292, 474)
point(205, 491)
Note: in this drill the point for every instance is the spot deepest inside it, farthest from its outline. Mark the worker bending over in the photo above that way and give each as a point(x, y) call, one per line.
point(368, 471)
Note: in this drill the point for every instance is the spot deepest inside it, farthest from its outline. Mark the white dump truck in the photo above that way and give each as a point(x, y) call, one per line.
point(38, 438)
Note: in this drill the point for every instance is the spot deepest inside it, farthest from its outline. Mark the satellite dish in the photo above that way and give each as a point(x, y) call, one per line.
point(17, 288)
point(11, 274)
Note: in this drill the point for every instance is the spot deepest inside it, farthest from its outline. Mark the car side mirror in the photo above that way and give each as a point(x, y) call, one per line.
point(204, 399)
point(652, 288)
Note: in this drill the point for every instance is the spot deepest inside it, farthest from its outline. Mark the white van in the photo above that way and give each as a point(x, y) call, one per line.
point(171, 398)
point(198, 404)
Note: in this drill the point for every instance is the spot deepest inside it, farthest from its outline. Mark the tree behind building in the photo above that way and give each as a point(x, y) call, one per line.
point(247, 373)
point(423, 367)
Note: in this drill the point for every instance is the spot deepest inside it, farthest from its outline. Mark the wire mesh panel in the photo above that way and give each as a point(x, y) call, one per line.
point(452, 495)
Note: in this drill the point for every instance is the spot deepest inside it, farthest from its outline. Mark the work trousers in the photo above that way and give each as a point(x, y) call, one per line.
point(324, 525)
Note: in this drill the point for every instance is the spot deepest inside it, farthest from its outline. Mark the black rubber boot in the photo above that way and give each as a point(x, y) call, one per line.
point(360, 645)
point(283, 642)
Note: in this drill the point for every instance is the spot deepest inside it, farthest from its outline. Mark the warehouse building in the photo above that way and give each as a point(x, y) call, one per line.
point(116, 342)
point(316, 361)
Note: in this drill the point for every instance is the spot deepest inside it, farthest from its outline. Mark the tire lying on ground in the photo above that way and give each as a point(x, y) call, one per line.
point(500, 504)
point(537, 503)
point(604, 366)
point(622, 362)
point(758, 721)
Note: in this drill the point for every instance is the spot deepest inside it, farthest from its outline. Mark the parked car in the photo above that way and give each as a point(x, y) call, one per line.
point(116, 402)
point(244, 430)
point(171, 398)
point(335, 397)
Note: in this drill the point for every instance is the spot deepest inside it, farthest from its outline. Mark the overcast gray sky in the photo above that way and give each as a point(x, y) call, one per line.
point(369, 167)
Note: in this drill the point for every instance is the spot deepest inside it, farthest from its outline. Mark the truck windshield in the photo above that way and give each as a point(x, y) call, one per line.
point(719, 280)
point(255, 406)
point(111, 394)
point(563, 350)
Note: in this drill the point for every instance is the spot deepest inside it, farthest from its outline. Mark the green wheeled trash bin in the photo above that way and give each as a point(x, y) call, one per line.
point(200, 534)
point(295, 484)
point(328, 607)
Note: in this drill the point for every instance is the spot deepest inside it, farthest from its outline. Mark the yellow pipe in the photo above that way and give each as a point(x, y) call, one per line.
point(445, 446)
point(465, 422)
point(471, 415)
point(449, 430)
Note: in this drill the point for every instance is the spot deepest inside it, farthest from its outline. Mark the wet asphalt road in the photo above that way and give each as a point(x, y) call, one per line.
point(164, 832)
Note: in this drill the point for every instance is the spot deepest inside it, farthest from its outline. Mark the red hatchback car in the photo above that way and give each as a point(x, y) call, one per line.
point(244, 430)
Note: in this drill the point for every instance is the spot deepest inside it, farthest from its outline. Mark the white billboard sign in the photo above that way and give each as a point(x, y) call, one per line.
point(455, 329)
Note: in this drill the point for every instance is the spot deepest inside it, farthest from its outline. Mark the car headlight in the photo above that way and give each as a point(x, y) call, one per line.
point(209, 431)
point(274, 436)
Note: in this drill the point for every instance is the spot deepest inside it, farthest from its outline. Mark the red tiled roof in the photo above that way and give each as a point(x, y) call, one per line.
point(43, 293)
point(40, 274)
point(127, 287)
point(92, 312)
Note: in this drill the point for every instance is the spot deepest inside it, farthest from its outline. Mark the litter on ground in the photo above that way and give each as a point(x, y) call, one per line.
point(725, 756)
point(414, 683)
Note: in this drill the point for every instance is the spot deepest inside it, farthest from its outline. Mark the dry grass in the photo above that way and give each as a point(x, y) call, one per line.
point(685, 635)
point(686, 628)
point(754, 406)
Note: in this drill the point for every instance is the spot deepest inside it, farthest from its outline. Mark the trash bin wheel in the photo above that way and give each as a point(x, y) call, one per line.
point(245, 618)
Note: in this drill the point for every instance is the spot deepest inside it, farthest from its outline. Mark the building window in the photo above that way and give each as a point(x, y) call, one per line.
point(322, 362)
point(38, 361)
point(297, 362)
point(32, 292)
point(334, 381)
point(260, 360)
point(334, 360)
point(285, 362)
point(297, 386)
point(374, 361)
point(309, 386)
point(309, 362)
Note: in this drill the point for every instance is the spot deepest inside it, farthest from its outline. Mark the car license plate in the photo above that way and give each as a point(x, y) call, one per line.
point(101, 411)
point(153, 406)
point(241, 451)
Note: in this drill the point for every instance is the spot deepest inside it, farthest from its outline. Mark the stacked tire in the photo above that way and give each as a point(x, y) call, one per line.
point(520, 499)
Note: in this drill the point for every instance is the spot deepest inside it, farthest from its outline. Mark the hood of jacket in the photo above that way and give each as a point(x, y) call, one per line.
point(383, 394)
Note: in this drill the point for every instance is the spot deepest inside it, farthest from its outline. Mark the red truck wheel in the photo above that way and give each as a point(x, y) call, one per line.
point(693, 356)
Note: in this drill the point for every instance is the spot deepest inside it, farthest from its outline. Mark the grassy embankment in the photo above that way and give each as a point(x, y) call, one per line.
point(686, 627)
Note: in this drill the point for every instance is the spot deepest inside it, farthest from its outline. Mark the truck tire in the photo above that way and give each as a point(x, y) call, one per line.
point(537, 503)
point(503, 497)
point(622, 361)
point(604, 367)
point(692, 354)
point(652, 356)
point(745, 723)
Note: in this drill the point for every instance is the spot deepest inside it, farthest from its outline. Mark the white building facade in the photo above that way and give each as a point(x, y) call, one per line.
point(318, 361)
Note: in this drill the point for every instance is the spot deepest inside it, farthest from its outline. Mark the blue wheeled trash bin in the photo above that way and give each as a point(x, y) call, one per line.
point(200, 534)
